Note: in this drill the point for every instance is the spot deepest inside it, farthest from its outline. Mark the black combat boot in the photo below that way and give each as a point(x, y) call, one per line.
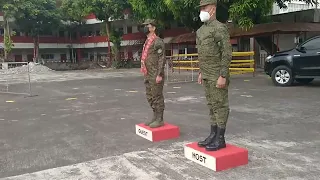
point(218, 142)
point(210, 138)
point(153, 118)
point(159, 120)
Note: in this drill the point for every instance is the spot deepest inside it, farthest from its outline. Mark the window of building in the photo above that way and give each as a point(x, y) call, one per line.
point(130, 55)
point(63, 57)
point(61, 33)
point(121, 30)
point(140, 28)
point(18, 58)
point(122, 55)
point(85, 54)
point(1, 31)
point(168, 52)
point(47, 56)
point(46, 33)
point(83, 34)
point(129, 29)
point(179, 24)
point(72, 34)
point(167, 26)
point(30, 57)
point(98, 33)
point(181, 51)
point(192, 50)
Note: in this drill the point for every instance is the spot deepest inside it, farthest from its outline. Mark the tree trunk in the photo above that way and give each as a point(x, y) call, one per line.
point(6, 34)
point(108, 34)
point(35, 49)
point(72, 55)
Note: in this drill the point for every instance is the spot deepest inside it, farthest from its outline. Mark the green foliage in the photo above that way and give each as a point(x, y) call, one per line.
point(71, 10)
point(8, 43)
point(36, 16)
point(103, 9)
point(244, 13)
point(9, 10)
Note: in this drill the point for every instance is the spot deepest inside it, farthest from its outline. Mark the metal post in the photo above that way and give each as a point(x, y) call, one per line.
point(167, 64)
point(191, 69)
point(30, 92)
point(7, 86)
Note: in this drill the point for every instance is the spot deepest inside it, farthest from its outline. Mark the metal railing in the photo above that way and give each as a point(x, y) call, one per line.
point(185, 67)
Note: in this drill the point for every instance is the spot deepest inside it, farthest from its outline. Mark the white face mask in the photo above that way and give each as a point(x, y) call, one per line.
point(205, 16)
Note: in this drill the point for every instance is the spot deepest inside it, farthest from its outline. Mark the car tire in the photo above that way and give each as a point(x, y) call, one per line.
point(282, 76)
point(304, 80)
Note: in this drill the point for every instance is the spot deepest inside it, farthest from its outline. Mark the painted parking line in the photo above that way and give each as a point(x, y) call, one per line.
point(10, 101)
point(176, 87)
point(132, 91)
point(69, 99)
point(246, 96)
point(171, 92)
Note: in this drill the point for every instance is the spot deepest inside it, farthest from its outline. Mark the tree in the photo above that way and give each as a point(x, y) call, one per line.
point(104, 10)
point(8, 8)
point(35, 17)
point(72, 19)
point(243, 13)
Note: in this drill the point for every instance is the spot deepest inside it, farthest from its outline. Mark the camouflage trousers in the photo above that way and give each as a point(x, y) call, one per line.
point(154, 94)
point(218, 103)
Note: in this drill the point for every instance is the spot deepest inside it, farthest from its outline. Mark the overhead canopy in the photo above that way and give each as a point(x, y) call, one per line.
point(258, 30)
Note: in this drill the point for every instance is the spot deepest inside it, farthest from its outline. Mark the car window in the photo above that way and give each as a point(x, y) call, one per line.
point(312, 44)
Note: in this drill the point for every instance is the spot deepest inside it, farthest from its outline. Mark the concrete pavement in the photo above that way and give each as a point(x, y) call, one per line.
point(84, 129)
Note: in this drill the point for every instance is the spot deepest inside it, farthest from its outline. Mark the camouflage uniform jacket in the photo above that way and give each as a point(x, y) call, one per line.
point(156, 60)
point(214, 50)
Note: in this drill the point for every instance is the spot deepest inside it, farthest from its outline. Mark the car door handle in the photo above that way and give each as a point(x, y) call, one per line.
point(296, 55)
point(318, 52)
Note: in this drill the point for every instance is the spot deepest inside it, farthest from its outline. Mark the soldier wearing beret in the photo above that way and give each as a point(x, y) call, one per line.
point(152, 66)
point(215, 54)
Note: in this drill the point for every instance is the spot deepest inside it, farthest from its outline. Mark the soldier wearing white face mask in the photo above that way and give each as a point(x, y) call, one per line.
point(215, 54)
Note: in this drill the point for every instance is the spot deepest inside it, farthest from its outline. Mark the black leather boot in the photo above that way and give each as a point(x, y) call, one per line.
point(152, 120)
point(159, 120)
point(219, 141)
point(210, 138)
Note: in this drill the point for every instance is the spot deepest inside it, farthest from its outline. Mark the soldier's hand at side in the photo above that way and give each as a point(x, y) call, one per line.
point(221, 83)
point(158, 79)
point(200, 79)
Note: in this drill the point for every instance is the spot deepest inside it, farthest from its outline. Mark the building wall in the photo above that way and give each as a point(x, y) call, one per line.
point(294, 5)
point(46, 54)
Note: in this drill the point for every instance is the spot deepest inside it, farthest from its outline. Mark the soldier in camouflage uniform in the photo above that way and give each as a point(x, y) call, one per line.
point(215, 54)
point(152, 65)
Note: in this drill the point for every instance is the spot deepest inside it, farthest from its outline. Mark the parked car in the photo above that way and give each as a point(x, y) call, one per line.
point(301, 64)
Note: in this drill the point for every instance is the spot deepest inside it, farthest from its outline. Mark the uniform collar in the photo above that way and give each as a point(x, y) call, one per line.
point(210, 21)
